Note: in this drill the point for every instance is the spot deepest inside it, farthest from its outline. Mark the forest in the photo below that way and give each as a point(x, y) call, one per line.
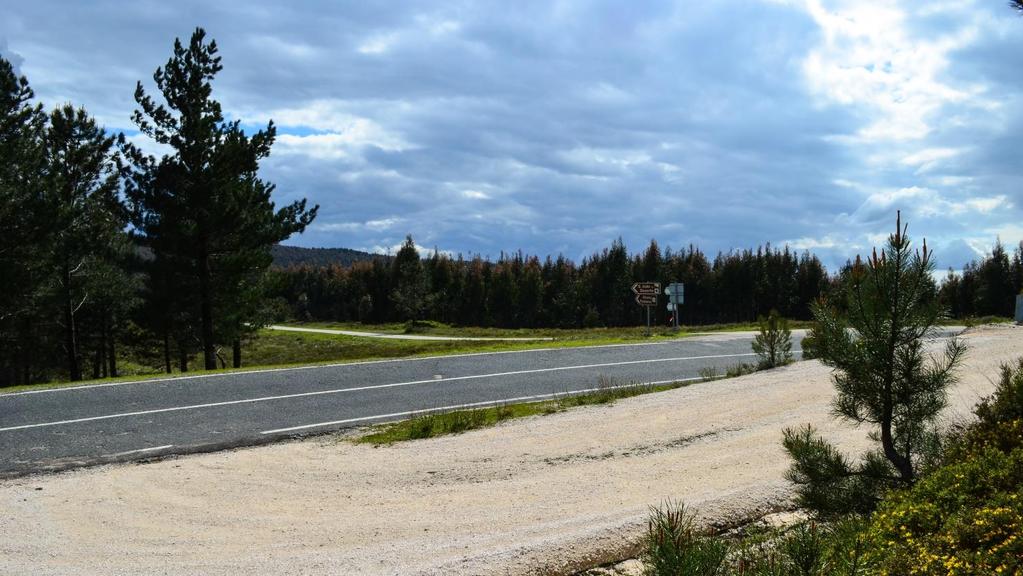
point(520, 291)
point(108, 251)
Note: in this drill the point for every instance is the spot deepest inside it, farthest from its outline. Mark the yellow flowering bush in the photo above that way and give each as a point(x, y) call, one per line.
point(965, 518)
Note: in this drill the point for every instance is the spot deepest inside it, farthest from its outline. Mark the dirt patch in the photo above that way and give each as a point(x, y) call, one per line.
point(550, 494)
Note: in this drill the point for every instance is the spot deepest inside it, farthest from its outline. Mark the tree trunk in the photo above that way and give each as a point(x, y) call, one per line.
point(70, 337)
point(166, 352)
point(206, 305)
point(182, 358)
point(111, 353)
point(236, 353)
point(101, 348)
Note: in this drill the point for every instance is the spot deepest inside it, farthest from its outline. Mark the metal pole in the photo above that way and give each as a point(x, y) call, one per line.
point(647, 320)
point(677, 308)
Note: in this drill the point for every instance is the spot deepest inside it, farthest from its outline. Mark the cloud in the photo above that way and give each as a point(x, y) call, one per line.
point(11, 56)
point(558, 127)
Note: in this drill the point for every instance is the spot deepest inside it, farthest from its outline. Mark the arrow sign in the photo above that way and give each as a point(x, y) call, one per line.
point(651, 288)
point(646, 299)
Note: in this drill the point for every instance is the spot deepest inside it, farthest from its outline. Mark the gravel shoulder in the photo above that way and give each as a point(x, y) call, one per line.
point(539, 495)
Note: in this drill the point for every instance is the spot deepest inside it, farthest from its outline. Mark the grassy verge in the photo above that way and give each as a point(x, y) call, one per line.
point(625, 332)
point(429, 425)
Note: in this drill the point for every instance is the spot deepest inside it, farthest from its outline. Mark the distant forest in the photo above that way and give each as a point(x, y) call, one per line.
point(290, 256)
point(526, 291)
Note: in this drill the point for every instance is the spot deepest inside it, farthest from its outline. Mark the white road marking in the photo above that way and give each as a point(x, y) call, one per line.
point(143, 450)
point(422, 337)
point(472, 405)
point(362, 388)
point(343, 364)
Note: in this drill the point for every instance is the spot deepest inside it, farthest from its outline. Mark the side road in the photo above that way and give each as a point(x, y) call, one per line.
point(540, 495)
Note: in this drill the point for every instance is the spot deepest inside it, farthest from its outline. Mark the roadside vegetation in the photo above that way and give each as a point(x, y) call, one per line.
point(926, 500)
point(429, 425)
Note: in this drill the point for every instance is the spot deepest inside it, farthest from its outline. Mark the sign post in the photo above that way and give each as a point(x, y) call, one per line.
point(646, 296)
point(676, 294)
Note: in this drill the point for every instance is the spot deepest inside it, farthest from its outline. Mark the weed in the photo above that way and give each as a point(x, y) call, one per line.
point(676, 548)
point(709, 373)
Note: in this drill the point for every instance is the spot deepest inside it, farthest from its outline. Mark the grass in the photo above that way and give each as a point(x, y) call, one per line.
point(626, 333)
point(433, 424)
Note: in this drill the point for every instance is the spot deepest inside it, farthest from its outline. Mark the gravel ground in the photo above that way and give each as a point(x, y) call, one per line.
point(548, 494)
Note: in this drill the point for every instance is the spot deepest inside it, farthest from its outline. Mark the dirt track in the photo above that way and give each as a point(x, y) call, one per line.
point(534, 495)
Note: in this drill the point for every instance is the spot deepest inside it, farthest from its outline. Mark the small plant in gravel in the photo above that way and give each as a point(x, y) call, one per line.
point(736, 370)
point(709, 373)
point(676, 548)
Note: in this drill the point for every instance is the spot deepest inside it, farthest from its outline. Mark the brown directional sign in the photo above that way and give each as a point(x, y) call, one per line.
point(647, 288)
point(646, 299)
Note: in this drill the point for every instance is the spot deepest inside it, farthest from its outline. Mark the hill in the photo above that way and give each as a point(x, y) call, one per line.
point(285, 256)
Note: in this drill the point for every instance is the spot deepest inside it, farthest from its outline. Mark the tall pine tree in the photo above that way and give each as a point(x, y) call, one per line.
point(203, 206)
point(22, 219)
point(81, 192)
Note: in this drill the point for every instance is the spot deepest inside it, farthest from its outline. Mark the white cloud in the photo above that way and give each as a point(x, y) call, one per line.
point(870, 59)
point(379, 225)
point(274, 44)
point(378, 43)
point(928, 202)
point(929, 158)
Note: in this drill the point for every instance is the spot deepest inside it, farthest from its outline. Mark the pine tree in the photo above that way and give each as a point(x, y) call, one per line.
point(23, 217)
point(203, 206)
point(410, 283)
point(882, 377)
point(87, 216)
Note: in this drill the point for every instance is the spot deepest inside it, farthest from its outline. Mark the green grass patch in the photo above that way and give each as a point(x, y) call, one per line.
point(433, 424)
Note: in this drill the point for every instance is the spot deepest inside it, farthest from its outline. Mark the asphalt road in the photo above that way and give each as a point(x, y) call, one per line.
point(68, 427)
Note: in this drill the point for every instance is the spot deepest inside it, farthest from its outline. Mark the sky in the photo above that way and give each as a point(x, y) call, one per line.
point(557, 126)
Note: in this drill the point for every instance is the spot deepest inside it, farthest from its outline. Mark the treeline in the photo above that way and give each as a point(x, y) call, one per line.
point(523, 291)
point(104, 245)
point(985, 288)
point(520, 291)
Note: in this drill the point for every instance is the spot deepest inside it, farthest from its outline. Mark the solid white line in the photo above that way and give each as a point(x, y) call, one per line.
point(362, 388)
point(143, 450)
point(472, 405)
point(335, 365)
point(414, 337)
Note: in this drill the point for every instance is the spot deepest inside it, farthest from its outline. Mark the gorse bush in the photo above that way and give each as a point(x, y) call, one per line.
point(963, 519)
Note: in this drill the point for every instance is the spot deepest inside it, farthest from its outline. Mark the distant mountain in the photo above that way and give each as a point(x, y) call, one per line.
point(285, 256)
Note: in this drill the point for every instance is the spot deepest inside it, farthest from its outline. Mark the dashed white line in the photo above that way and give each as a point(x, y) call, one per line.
point(362, 388)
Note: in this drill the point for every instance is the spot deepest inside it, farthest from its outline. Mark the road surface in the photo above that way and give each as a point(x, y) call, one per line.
point(69, 427)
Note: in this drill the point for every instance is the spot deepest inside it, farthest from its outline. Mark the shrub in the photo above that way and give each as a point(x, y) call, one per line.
point(999, 421)
point(774, 342)
point(965, 518)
